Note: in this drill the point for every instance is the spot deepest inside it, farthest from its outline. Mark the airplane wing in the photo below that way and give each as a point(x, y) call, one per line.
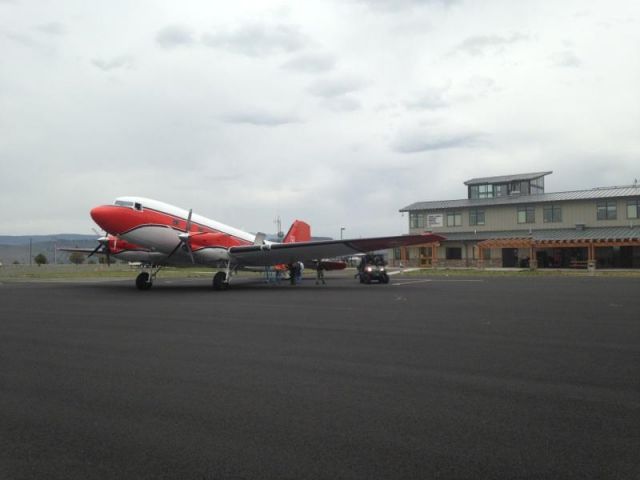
point(279, 253)
point(77, 249)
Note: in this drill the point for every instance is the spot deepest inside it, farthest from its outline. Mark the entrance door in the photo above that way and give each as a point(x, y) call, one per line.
point(509, 257)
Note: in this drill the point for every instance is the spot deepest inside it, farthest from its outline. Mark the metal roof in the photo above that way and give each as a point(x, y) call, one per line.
point(599, 233)
point(507, 178)
point(594, 193)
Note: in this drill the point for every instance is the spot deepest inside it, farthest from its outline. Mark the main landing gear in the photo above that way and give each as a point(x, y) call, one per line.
point(144, 280)
point(220, 281)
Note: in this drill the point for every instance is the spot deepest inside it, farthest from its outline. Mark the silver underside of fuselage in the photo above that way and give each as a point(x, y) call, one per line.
point(162, 241)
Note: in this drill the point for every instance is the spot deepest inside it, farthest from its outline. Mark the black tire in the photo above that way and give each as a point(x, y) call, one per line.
point(367, 279)
point(219, 281)
point(384, 278)
point(143, 281)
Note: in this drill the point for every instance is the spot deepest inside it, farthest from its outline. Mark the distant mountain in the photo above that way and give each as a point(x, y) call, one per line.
point(24, 239)
point(16, 248)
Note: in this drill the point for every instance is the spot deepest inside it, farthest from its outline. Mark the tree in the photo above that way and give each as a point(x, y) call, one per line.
point(76, 257)
point(40, 259)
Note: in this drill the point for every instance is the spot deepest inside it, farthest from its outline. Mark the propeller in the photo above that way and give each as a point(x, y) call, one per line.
point(184, 239)
point(103, 247)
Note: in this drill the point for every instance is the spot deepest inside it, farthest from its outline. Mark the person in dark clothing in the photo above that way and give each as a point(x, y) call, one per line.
point(320, 274)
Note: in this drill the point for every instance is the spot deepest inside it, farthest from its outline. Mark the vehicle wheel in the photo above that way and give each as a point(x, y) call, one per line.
point(361, 277)
point(367, 279)
point(143, 281)
point(384, 278)
point(219, 281)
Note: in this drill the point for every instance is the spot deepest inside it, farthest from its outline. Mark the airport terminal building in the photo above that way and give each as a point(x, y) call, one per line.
point(510, 221)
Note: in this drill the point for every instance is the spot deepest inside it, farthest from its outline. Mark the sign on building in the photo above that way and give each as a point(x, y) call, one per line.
point(435, 220)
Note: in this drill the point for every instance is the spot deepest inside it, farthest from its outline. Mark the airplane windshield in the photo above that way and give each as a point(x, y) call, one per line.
point(123, 203)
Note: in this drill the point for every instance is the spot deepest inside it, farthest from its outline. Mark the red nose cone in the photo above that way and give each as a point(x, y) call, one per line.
point(107, 217)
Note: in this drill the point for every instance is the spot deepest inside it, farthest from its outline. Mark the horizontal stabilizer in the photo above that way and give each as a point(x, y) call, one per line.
point(259, 240)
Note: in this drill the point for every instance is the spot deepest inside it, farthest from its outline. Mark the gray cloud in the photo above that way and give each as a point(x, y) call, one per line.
point(123, 61)
point(483, 44)
point(398, 5)
point(430, 99)
point(415, 142)
point(342, 103)
point(333, 87)
point(51, 28)
point(311, 63)
point(260, 118)
point(258, 40)
point(565, 59)
point(173, 36)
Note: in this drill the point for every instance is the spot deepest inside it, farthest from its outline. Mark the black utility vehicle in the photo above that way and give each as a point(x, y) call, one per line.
point(372, 269)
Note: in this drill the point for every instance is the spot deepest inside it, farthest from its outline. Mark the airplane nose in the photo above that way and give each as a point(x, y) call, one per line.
point(106, 217)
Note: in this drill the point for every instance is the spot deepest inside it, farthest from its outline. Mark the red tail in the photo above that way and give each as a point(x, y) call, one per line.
point(299, 232)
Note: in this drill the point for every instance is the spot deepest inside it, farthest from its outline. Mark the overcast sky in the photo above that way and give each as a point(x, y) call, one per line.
point(336, 112)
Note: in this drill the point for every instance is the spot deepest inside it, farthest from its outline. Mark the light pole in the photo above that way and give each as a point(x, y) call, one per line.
point(342, 229)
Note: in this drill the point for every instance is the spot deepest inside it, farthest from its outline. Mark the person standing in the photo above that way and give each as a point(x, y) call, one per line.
point(320, 273)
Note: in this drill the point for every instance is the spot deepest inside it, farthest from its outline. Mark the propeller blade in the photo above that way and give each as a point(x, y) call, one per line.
point(175, 249)
point(184, 240)
point(95, 250)
point(188, 226)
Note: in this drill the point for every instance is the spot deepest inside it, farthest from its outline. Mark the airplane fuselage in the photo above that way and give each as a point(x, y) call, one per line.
point(145, 222)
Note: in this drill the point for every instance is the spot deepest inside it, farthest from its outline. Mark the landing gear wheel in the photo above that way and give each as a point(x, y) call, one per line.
point(143, 281)
point(385, 278)
point(220, 281)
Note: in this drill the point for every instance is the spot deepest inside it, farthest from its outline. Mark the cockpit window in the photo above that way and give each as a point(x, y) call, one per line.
point(123, 203)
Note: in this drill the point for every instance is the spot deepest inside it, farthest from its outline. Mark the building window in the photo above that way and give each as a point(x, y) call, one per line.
point(476, 216)
point(526, 215)
point(501, 190)
point(537, 186)
point(607, 210)
point(453, 253)
point(454, 219)
point(485, 191)
point(481, 191)
point(397, 253)
point(552, 214)
point(416, 220)
point(633, 208)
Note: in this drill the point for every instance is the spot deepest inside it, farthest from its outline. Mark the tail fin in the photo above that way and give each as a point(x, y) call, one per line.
point(298, 232)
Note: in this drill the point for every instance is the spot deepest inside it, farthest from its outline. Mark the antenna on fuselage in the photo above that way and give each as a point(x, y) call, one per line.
point(280, 233)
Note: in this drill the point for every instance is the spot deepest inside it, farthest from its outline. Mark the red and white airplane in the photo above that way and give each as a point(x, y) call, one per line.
point(157, 234)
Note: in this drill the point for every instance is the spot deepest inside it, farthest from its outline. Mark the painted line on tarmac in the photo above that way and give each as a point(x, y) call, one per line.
point(412, 282)
point(443, 281)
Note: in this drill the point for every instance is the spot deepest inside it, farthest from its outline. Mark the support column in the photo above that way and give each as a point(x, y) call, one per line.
point(434, 255)
point(480, 256)
point(533, 261)
point(591, 258)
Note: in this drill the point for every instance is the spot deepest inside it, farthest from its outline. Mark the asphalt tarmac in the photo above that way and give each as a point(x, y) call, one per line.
point(442, 377)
